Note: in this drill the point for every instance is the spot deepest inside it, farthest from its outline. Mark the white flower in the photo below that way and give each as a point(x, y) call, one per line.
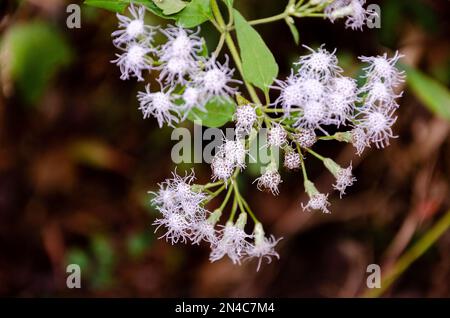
point(339, 108)
point(346, 86)
point(269, 180)
point(182, 43)
point(245, 117)
point(176, 225)
point(175, 70)
point(133, 61)
point(193, 97)
point(291, 93)
point(159, 105)
point(306, 138)
point(222, 169)
point(277, 136)
point(383, 68)
point(233, 243)
point(344, 179)
point(203, 231)
point(292, 160)
point(359, 140)
point(317, 201)
point(377, 125)
point(320, 64)
point(313, 89)
point(234, 152)
point(175, 192)
point(216, 78)
point(314, 114)
point(381, 94)
point(132, 28)
point(264, 247)
point(356, 14)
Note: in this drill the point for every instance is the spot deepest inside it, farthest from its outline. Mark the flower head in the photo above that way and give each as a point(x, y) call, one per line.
point(245, 117)
point(377, 125)
point(232, 242)
point(159, 105)
point(344, 179)
point(292, 160)
point(320, 64)
point(382, 68)
point(264, 247)
point(132, 29)
point(216, 78)
point(133, 61)
point(277, 136)
point(269, 180)
point(181, 43)
point(306, 138)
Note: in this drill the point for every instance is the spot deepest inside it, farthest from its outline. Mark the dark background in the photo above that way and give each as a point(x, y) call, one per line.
point(77, 160)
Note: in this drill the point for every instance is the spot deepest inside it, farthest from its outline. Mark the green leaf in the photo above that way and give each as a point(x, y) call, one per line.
point(32, 53)
point(169, 7)
point(294, 31)
point(195, 13)
point(434, 95)
point(259, 65)
point(229, 2)
point(111, 5)
point(218, 112)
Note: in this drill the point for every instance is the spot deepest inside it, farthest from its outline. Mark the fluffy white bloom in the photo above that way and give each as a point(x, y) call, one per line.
point(181, 43)
point(203, 230)
point(222, 169)
point(354, 10)
point(176, 225)
point(193, 97)
point(317, 201)
point(312, 89)
point(359, 140)
point(346, 86)
point(245, 117)
point(264, 247)
point(233, 243)
point(175, 70)
point(314, 114)
point(339, 108)
point(306, 138)
point(181, 209)
point(382, 68)
point(234, 152)
point(269, 180)
point(133, 61)
point(344, 179)
point(291, 93)
point(320, 64)
point(292, 160)
point(216, 78)
point(277, 136)
point(377, 125)
point(133, 28)
point(159, 105)
point(380, 94)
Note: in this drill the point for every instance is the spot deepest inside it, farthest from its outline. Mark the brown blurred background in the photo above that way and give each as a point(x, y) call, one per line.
point(77, 160)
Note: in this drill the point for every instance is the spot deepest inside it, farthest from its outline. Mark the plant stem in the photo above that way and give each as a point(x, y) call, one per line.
point(274, 18)
point(315, 154)
point(225, 201)
point(233, 50)
point(417, 250)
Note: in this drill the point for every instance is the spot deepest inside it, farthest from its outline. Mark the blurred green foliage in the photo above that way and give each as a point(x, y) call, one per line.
point(31, 54)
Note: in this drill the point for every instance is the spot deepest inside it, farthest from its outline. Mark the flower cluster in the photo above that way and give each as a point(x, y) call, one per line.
point(185, 219)
point(188, 78)
point(357, 16)
point(318, 98)
point(316, 102)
